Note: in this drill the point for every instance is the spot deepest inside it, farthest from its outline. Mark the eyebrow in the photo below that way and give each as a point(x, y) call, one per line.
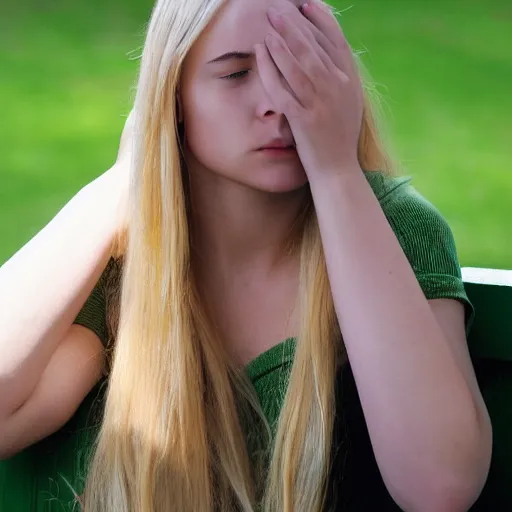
point(232, 56)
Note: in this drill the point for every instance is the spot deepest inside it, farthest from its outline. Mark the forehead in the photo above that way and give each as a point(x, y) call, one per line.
point(239, 25)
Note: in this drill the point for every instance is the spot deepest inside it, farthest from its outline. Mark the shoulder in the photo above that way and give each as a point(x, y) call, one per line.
point(414, 219)
point(425, 237)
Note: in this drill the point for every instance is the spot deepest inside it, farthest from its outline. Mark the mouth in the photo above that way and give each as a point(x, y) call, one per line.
point(276, 151)
point(278, 145)
point(278, 148)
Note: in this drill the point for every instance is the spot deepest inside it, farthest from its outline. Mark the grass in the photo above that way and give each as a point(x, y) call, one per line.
point(443, 68)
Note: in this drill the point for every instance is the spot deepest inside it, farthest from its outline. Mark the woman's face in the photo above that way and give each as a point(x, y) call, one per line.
point(228, 114)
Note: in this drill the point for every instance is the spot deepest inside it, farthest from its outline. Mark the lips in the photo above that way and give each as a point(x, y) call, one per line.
point(279, 144)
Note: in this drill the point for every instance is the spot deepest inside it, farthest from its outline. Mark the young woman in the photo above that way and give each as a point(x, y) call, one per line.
point(285, 318)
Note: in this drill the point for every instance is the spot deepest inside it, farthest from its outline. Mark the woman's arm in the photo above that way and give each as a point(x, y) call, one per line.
point(44, 285)
point(428, 424)
point(73, 370)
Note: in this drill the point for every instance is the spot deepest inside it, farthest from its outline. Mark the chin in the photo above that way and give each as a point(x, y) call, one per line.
point(282, 187)
point(281, 180)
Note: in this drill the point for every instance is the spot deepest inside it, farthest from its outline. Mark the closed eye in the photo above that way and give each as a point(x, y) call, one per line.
point(234, 76)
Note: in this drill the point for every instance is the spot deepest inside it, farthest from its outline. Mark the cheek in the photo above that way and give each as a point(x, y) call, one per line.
point(214, 125)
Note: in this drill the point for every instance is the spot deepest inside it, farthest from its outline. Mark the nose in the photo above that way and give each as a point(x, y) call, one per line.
point(266, 107)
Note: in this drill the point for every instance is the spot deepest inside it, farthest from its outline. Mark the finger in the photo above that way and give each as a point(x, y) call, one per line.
point(322, 17)
point(298, 79)
point(273, 82)
point(323, 48)
point(297, 57)
point(297, 32)
point(313, 33)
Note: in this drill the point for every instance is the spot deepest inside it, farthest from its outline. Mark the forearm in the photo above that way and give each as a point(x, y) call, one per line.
point(44, 285)
point(422, 420)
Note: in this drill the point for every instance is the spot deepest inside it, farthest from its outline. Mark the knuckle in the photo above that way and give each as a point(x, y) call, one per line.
point(319, 71)
point(304, 84)
point(298, 48)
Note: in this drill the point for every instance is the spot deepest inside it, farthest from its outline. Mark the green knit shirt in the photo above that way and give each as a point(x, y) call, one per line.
point(428, 243)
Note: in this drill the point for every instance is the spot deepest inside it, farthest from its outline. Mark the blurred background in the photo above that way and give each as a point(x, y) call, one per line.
point(443, 68)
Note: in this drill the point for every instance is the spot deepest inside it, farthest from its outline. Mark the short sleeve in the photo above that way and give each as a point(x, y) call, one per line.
point(93, 313)
point(429, 245)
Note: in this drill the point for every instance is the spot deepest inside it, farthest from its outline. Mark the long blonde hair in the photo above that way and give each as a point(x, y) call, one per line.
point(173, 433)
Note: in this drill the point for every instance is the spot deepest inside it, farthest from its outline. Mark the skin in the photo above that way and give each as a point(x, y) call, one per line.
point(428, 424)
point(244, 201)
point(248, 199)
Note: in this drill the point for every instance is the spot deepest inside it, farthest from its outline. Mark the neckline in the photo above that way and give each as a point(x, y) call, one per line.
point(284, 351)
point(272, 358)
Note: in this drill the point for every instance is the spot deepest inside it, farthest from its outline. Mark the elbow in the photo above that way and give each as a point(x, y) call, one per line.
point(6, 454)
point(6, 449)
point(449, 495)
point(10, 445)
point(453, 487)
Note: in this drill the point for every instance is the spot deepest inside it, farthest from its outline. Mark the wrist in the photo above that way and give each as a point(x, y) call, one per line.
point(331, 179)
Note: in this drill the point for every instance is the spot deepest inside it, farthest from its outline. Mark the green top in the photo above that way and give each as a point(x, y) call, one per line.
point(428, 243)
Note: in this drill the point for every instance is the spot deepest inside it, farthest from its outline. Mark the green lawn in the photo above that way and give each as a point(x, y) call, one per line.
point(444, 68)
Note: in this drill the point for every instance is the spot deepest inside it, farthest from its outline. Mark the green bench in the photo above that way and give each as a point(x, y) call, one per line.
point(36, 480)
point(490, 342)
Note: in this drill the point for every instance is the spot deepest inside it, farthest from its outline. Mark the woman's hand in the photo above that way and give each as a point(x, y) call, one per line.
point(308, 70)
